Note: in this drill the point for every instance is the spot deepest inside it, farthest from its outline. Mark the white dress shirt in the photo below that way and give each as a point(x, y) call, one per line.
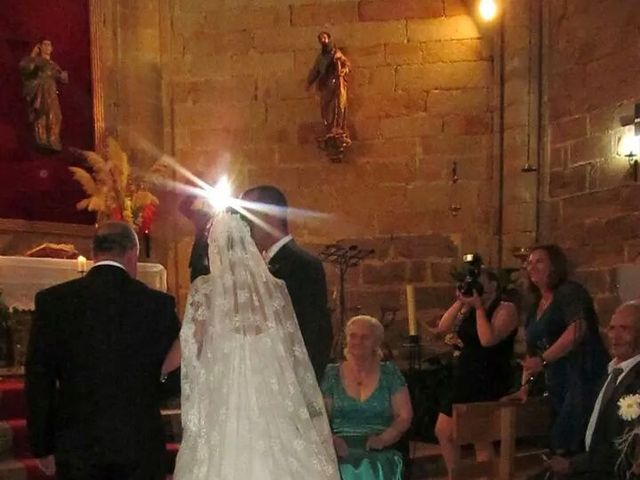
point(108, 262)
point(625, 366)
point(273, 249)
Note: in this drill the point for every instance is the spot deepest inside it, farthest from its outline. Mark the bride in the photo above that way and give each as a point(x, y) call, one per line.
point(251, 406)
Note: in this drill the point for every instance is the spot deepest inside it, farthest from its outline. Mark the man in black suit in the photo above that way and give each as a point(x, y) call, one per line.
point(302, 272)
point(605, 426)
point(93, 368)
point(199, 258)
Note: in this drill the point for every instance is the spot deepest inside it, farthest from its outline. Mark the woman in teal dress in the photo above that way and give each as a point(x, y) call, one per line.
point(368, 405)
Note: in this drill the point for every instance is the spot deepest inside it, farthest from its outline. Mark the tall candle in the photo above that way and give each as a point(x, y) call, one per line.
point(411, 310)
point(82, 264)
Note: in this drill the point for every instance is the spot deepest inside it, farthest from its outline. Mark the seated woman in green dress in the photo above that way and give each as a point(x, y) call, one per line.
point(368, 405)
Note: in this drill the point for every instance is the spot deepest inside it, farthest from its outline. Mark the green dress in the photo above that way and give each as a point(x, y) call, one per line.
point(355, 421)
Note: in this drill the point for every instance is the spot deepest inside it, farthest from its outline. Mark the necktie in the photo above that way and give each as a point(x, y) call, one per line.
point(609, 387)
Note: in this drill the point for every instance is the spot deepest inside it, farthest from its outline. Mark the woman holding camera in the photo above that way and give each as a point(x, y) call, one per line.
point(487, 327)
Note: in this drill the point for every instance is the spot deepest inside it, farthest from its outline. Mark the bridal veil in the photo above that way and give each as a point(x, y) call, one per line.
point(251, 406)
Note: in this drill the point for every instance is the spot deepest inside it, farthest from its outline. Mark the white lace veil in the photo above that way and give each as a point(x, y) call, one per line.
point(251, 406)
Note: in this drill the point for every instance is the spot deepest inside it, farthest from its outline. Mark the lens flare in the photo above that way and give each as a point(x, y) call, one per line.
point(220, 195)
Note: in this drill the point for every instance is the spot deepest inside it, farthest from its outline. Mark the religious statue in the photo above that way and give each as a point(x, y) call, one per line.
point(40, 76)
point(330, 71)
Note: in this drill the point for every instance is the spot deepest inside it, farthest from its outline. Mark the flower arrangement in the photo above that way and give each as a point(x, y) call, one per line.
point(454, 341)
point(114, 192)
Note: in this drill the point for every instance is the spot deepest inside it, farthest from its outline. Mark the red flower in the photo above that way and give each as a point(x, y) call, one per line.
point(147, 216)
point(116, 214)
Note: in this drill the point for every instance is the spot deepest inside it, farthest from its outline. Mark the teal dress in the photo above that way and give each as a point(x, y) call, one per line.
point(355, 421)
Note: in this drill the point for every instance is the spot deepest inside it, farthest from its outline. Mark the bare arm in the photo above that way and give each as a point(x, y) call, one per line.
point(448, 321)
point(402, 416)
point(502, 323)
point(328, 403)
point(339, 444)
point(571, 337)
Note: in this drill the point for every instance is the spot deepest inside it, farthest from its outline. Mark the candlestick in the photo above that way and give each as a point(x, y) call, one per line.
point(411, 310)
point(147, 243)
point(82, 264)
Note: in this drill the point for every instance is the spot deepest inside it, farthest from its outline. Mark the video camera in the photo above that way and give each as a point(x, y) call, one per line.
point(471, 282)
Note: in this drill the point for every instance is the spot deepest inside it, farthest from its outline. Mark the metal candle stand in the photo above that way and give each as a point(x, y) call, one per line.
point(415, 354)
point(345, 258)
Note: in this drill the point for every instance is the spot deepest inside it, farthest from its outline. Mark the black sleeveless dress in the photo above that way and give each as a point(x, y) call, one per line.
point(480, 374)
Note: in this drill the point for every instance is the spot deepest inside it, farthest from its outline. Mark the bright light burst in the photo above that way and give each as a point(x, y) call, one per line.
point(629, 143)
point(488, 9)
point(220, 196)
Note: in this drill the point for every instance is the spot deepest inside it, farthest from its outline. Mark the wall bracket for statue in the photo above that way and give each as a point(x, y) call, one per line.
point(330, 72)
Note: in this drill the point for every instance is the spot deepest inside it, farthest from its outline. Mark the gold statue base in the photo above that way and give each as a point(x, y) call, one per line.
point(335, 144)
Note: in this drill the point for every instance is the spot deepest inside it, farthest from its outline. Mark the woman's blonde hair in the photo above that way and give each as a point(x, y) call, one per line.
point(375, 326)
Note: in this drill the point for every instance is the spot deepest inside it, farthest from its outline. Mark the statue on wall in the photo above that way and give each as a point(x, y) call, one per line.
point(40, 76)
point(330, 71)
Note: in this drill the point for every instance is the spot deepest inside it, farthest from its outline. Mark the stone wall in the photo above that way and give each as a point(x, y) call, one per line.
point(421, 94)
point(589, 200)
point(519, 139)
point(220, 86)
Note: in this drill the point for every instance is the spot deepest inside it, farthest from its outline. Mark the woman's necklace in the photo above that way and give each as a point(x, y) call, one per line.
point(359, 375)
point(544, 303)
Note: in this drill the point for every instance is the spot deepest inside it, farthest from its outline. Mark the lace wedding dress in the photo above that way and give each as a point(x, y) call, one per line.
point(251, 406)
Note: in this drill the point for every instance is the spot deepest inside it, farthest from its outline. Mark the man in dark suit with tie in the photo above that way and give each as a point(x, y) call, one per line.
point(605, 426)
point(199, 258)
point(302, 272)
point(93, 368)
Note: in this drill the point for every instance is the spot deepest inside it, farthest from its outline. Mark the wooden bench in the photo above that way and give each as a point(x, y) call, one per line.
point(503, 422)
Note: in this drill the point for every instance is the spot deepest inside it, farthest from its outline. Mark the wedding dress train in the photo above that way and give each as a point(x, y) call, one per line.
point(251, 406)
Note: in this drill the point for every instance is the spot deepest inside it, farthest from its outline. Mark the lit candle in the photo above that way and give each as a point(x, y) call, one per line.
point(411, 310)
point(82, 264)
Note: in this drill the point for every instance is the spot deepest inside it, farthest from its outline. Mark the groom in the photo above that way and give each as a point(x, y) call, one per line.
point(93, 368)
point(302, 272)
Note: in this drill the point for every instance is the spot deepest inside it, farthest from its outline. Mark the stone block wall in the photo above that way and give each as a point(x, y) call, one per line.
point(421, 97)
point(589, 200)
point(519, 69)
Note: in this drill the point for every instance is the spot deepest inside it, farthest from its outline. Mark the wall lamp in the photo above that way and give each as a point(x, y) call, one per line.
point(487, 9)
point(629, 143)
point(629, 147)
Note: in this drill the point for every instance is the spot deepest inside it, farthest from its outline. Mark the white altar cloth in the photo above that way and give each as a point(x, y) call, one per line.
point(22, 277)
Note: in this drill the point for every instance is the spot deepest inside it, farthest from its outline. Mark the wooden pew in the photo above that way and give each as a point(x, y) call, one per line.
point(498, 421)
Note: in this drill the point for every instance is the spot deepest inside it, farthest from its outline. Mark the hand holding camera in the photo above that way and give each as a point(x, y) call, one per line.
point(472, 301)
point(471, 286)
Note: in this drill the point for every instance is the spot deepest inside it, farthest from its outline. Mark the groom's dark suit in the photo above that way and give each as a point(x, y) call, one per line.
point(600, 460)
point(305, 279)
point(92, 375)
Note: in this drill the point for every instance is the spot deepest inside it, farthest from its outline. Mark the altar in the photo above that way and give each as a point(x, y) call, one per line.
point(22, 277)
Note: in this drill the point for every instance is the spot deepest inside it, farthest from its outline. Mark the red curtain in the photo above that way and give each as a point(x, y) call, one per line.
point(35, 185)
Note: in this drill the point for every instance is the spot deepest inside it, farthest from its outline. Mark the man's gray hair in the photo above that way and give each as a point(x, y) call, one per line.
point(114, 238)
point(631, 305)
